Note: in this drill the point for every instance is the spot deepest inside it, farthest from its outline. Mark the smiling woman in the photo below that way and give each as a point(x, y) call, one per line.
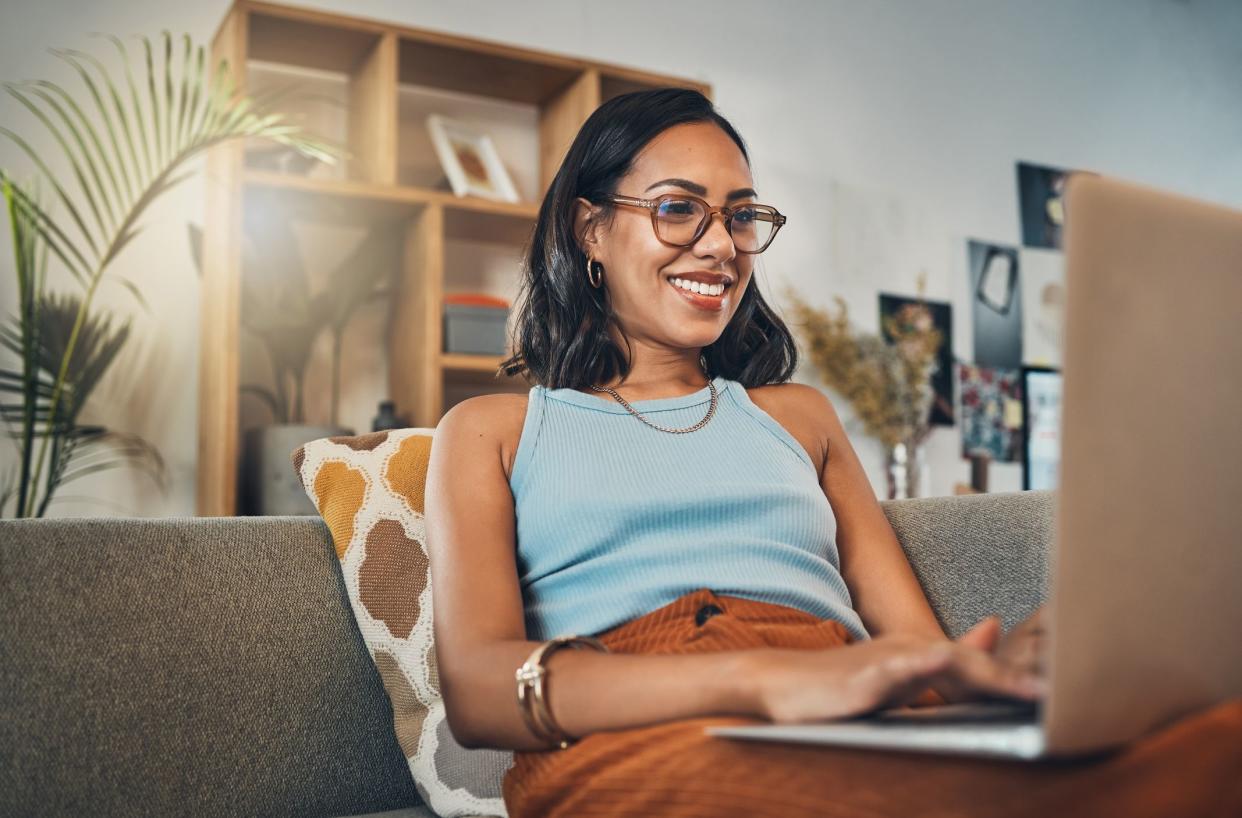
point(707, 543)
point(609, 288)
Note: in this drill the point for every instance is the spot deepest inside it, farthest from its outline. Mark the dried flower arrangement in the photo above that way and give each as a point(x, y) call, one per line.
point(888, 384)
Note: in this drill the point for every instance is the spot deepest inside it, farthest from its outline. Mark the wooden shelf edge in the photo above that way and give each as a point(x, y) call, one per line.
point(303, 14)
point(404, 194)
point(464, 362)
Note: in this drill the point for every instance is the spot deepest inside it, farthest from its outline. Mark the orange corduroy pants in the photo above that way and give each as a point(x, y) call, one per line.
point(1190, 768)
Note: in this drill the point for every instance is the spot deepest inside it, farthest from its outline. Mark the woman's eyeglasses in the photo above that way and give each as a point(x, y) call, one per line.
point(680, 220)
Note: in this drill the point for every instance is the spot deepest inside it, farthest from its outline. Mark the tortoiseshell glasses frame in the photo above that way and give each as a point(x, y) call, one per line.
point(774, 216)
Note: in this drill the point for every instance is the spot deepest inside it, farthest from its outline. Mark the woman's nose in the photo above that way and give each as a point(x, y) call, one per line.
point(716, 239)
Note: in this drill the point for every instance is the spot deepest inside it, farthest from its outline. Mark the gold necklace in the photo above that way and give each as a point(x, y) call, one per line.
point(710, 410)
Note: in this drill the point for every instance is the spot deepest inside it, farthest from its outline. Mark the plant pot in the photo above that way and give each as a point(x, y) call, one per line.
point(269, 484)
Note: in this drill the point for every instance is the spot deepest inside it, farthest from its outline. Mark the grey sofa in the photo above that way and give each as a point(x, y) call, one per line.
point(211, 666)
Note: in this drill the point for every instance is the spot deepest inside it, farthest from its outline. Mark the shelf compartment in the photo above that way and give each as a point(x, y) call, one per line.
point(470, 66)
point(476, 224)
point(511, 126)
point(464, 383)
point(295, 36)
point(460, 362)
point(343, 77)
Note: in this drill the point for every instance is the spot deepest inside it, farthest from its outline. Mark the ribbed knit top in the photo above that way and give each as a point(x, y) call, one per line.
point(616, 519)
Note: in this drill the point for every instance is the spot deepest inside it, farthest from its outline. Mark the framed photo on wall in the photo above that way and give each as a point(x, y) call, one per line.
point(1039, 200)
point(1041, 427)
point(942, 413)
point(991, 417)
point(996, 304)
point(470, 160)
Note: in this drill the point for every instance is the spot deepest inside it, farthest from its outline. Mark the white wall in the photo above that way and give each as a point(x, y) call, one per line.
point(901, 119)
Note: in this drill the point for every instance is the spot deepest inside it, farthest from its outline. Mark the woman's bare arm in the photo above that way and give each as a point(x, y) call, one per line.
point(480, 629)
point(883, 587)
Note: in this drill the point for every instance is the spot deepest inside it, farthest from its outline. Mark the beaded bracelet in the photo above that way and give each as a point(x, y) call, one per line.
point(530, 687)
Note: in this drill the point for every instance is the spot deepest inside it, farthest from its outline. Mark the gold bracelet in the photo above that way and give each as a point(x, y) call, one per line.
point(532, 700)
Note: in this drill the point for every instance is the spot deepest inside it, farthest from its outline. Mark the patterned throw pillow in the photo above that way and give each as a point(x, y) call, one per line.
point(369, 490)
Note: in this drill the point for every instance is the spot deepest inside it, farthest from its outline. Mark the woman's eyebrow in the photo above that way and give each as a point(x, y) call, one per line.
point(699, 190)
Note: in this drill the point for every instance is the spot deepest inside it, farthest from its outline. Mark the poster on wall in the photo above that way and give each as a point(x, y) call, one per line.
point(991, 412)
point(1040, 189)
point(1043, 297)
point(996, 304)
point(942, 378)
point(1041, 427)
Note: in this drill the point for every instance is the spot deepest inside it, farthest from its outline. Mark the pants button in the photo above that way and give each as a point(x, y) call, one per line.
point(705, 613)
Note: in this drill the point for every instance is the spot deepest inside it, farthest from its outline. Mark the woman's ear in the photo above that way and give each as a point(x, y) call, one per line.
point(586, 225)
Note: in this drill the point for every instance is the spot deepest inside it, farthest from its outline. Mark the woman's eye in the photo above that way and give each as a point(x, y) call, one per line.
point(745, 215)
point(677, 208)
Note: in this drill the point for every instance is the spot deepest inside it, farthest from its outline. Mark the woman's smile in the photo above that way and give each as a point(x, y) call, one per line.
point(707, 297)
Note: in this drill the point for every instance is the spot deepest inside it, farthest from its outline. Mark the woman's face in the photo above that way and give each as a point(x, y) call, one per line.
point(695, 158)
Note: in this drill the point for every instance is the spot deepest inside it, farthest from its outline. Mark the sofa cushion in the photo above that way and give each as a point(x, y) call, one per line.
point(187, 666)
point(978, 554)
point(369, 490)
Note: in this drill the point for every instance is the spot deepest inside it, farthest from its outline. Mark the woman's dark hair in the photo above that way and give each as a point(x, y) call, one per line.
point(560, 336)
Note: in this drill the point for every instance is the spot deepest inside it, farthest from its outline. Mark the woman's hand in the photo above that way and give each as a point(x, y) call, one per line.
point(1021, 649)
point(888, 671)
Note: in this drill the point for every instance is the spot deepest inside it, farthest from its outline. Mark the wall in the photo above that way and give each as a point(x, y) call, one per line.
point(888, 131)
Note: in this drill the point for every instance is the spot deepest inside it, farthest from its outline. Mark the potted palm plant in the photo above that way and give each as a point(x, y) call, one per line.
point(133, 145)
point(282, 313)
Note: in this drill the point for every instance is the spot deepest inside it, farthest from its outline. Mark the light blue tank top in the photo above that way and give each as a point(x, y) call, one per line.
point(616, 519)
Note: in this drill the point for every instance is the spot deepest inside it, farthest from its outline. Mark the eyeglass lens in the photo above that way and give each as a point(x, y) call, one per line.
point(677, 220)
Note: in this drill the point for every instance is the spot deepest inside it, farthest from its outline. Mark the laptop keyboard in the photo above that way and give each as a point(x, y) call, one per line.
point(963, 712)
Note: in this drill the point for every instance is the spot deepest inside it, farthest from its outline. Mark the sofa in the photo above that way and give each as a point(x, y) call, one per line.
point(212, 666)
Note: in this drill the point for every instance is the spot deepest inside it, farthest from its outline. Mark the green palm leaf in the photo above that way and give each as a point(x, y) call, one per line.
point(117, 166)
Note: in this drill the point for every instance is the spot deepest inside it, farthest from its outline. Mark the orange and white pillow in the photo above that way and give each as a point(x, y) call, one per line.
point(369, 490)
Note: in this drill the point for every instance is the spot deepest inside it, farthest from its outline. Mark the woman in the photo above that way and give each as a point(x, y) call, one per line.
point(665, 488)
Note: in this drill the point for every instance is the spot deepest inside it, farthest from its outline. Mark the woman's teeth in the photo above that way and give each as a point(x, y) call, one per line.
point(696, 287)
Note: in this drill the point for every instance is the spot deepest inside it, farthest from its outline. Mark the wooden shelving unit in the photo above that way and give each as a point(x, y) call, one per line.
point(374, 70)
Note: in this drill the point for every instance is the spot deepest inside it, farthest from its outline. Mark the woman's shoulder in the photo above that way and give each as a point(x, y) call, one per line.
point(498, 417)
point(801, 409)
point(797, 396)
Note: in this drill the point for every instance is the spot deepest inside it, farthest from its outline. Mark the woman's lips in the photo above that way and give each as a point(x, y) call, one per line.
point(708, 303)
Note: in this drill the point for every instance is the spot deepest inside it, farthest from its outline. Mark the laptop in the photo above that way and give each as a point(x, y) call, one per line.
point(1143, 611)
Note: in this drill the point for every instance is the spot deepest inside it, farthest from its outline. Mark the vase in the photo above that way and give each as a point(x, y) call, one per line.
point(908, 471)
point(269, 485)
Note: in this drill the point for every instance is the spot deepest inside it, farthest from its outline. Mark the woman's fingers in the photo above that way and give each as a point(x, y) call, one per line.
point(986, 674)
point(1028, 657)
point(960, 671)
point(983, 635)
point(910, 674)
point(1023, 647)
point(888, 671)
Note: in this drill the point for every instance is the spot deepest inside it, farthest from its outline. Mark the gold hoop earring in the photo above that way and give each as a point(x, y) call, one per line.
point(596, 279)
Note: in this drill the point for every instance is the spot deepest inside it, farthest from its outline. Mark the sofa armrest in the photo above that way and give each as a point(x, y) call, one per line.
point(978, 554)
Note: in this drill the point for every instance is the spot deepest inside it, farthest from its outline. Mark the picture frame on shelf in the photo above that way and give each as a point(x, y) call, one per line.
point(470, 161)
